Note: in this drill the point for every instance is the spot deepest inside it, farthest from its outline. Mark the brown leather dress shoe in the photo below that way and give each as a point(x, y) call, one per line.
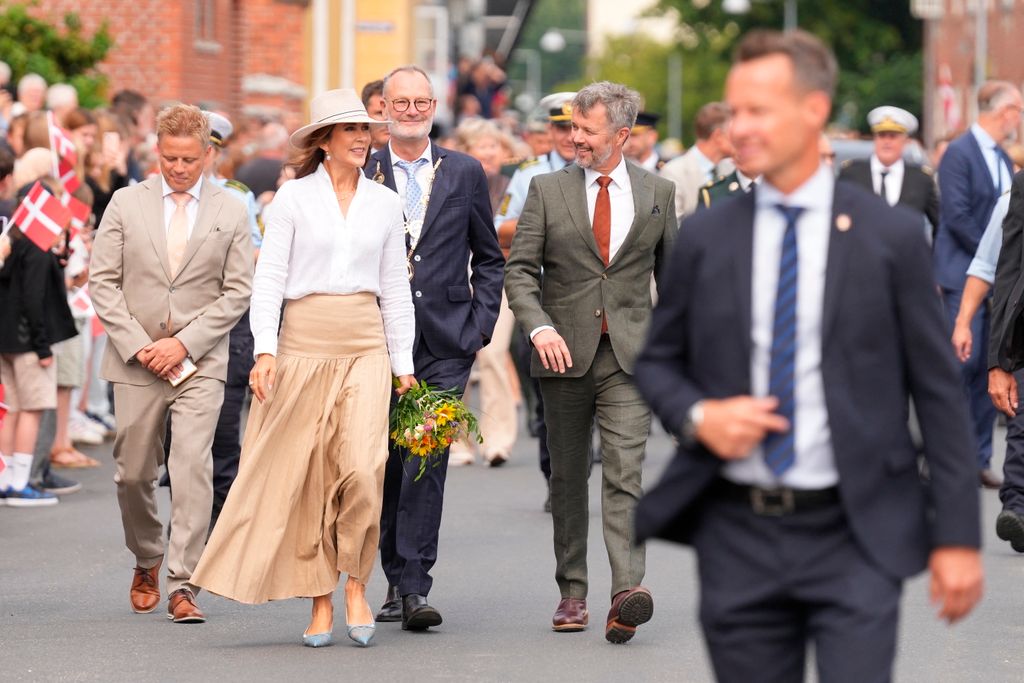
point(181, 608)
point(571, 615)
point(145, 592)
point(629, 609)
point(989, 479)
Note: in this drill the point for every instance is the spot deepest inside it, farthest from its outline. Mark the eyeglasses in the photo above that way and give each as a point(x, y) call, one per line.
point(422, 104)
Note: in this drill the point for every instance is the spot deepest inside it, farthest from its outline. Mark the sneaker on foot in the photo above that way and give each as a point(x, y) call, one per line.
point(29, 497)
point(58, 485)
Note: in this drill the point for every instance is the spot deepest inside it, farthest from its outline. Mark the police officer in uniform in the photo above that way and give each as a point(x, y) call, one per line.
point(886, 174)
point(736, 183)
point(641, 147)
point(226, 445)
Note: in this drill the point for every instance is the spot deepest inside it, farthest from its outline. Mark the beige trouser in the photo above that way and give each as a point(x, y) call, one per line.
point(194, 407)
point(499, 420)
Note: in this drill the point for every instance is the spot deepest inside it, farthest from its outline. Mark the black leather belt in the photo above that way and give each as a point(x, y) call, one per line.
point(776, 502)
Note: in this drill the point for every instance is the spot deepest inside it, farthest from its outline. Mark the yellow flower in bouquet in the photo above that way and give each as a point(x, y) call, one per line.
point(426, 421)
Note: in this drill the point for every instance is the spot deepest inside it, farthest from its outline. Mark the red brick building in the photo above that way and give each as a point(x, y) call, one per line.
point(238, 56)
point(950, 40)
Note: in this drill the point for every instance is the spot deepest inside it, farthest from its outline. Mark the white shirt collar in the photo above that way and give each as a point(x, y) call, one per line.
point(878, 167)
point(745, 180)
point(395, 158)
point(619, 175)
point(985, 141)
point(194, 190)
point(815, 193)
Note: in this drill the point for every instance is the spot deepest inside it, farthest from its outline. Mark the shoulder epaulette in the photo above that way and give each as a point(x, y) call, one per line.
point(706, 196)
point(529, 162)
point(846, 163)
point(711, 182)
point(236, 185)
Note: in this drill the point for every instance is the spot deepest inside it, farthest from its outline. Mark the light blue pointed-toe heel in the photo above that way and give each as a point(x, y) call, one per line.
point(316, 639)
point(362, 633)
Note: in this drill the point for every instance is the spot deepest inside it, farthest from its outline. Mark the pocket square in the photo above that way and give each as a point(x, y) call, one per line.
point(655, 210)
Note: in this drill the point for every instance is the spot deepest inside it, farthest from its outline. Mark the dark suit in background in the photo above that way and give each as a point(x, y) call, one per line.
point(883, 340)
point(918, 192)
point(968, 195)
point(455, 315)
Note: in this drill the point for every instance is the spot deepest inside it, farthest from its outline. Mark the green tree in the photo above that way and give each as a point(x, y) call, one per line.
point(557, 68)
point(58, 54)
point(877, 44)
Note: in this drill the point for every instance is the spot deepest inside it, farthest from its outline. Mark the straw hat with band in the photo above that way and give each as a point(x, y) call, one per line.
point(332, 107)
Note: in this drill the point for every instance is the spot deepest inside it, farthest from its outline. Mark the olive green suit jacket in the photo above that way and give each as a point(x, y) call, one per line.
point(555, 274)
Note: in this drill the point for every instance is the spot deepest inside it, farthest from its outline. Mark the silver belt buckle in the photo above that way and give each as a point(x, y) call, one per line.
point(772, 502)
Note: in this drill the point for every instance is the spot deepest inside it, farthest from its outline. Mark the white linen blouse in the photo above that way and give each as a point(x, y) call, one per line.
point(309, 247)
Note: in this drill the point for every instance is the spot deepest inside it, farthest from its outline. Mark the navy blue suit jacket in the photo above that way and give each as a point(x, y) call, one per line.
point(967, 197)
point(453, 318)
point(883, 341)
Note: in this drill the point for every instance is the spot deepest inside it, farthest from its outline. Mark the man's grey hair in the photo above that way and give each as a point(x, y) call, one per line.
point(621, 103)
point(408, 68)
point(61, 95)
point(31, 80)
point(993, 95)
point(273, 137)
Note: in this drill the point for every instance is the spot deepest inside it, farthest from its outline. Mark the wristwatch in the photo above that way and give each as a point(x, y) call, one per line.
point(694, 418)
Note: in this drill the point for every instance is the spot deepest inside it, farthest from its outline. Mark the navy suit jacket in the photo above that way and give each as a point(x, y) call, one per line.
point(455, 313)
point(967, 197)
point(883, 341)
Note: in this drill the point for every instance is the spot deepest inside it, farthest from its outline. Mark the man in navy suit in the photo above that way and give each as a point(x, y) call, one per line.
point(450, 229)
point(802, 319)
point(974, 172)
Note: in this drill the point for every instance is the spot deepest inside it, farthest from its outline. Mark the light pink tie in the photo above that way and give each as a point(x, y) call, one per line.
point(177, 232)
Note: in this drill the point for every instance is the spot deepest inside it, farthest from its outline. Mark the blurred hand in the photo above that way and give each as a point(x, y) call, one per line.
point(46, 362)
point(957, 581)
point(405, 383)
point(1002, 389)
point(962, 340)
point(732, 427)
point(554, 354)
point(262, 376)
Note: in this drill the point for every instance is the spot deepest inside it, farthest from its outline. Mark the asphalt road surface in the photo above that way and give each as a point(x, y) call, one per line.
point(64, 612)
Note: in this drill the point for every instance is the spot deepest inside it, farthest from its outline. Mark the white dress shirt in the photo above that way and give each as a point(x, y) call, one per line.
point(893, 179)
point(620, 195)
point(996, 168)
point(423, 173)
point(309, 247)
point(814, 467)
point(191, 208)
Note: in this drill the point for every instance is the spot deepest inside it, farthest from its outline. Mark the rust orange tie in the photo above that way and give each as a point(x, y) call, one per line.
point(603, 229)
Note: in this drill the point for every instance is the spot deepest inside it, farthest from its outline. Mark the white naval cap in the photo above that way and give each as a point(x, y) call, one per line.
point(220, 128)
point(892, 120)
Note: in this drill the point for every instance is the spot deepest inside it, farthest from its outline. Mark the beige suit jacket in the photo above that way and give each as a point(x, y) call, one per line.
point(135, 296)
point(686, 173)
point(554, 237)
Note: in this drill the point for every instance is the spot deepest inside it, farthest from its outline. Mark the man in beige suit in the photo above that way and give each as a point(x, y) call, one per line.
point(598, 230)
point(705, 162)
point(171, 274)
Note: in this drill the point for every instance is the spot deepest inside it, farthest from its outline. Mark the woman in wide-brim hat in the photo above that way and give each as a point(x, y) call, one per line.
point(306, 504)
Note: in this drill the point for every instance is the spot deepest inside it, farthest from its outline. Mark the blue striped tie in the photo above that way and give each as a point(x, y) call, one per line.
point(780, 449)
point(413, 191)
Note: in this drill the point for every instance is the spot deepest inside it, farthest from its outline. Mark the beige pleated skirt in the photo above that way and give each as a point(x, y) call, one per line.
point(305, 506)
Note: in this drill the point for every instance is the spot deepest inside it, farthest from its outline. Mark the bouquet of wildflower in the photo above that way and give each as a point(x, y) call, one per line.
point(426, 421)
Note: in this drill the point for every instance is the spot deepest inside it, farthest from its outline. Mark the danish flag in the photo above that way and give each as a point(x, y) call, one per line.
point(65, 156)
point(41, 217)
point(79, 213)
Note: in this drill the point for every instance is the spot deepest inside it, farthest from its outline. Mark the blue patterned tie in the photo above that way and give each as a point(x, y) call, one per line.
point(780, 449)
point(413, 191)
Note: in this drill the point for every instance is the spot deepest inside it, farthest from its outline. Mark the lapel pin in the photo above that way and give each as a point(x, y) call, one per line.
point(733, 186)
point(843, 222)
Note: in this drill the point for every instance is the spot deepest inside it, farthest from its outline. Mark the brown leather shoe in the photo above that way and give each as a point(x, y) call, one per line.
point(181, 608)
point(571, 615)
point(629, 609)
point(145, 592)
point(989, 479)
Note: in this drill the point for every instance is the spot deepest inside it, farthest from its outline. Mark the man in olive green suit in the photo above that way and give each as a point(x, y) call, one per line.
point(597, 229)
